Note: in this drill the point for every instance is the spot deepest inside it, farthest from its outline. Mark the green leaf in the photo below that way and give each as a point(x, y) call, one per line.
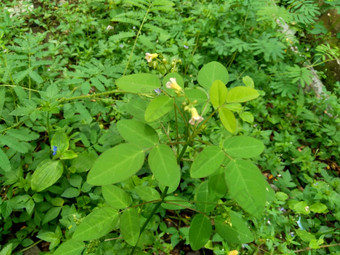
point(130, 226)
point(7, 250)
point(243, 147)
point(61, 142)
point(163, 164)
point(147, 193)
point(116, 197)
point(70, 192)
point(158, 107)
point(176, 203)
point(248, 81)
point(241, 94)
point(139, 83)
point(217, 185)
point(228, 119)
point(4, 161)
point(2, 99)
point(199, 231)
point(246, 185)
point(51, 214)
point(47, 173)
point(116, 164)
point(14, 144)
point(318, 208)
point(84, 161)
point(137, 132)
point(23, 134)
point(206, 200)
point(97, 224)
point(304, 235)
point(211, 72)
point(218, 93)
point(207, 162)
point(234, 230)
point(247, 117)
point(35, 76)
point(70, 247)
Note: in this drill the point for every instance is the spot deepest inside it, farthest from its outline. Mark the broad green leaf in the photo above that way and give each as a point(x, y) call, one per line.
point(4, 161)
point(246, 186)
point(158, 107)
point(70, 247)
point(211, 72)
point(218, 93)
point(130, 226)
point(206, 201)
point(47, 173)
point(247, 117)
point(216, 184)
point(59, 143)
point(69, 154)
point(35, 76)
point(51, 214)
point(23, 134)
point(139, 83)
point(70, 192)
point(116, 197)
point(7, 250)
point(163, 164)
point(207, 162)
point(248, 81)
point(241, 94)
point(14, 144)
point(197, 94)
point(147, 193)
point(234, 230)
point(304, 235)
point(84, 161)
point(97, 224)
point(318, 208)
point(137, 132)
point(136, 107)
point(234, 107)
point(176, 203)
point(228, 119)
point(243, 147)
point(199, 231)
point(116, 164)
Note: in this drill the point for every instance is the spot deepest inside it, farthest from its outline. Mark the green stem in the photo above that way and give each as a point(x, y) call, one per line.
point(29, 247)
point(138, 33)
point(165, 191)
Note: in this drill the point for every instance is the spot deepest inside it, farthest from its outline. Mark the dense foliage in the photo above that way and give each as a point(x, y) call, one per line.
point(148, 126)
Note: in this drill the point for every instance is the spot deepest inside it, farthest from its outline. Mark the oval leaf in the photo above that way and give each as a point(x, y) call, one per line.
point(4, 161)
point(235, 231)
point(116, 197)
point(207, 162)
point(60, 141)
point(139, 83)
point(206, 200)
point(199, 231)
point(228, 119)
point(211, 72)
point(137, 132)
point(147, 193)
point(158, 107)
point(246, 186)
point(70, 247)
point(116, 164)
point(241, 94)
point(47, 173)
point(163, 164)
point(130, 226)
point(218, 93)
point(243, 147)
point(97, 224)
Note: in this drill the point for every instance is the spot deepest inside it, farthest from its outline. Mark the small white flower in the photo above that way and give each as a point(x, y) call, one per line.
point(149, 57)
point(109, 27)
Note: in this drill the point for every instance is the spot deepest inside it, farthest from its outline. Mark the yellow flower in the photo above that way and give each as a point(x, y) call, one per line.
point(172, 84)
point(233, 252)
point(149, 57)
point(195, 117)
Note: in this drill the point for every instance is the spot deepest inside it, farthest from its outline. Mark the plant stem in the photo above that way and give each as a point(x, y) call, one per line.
point(32, 245)
point(138, 33)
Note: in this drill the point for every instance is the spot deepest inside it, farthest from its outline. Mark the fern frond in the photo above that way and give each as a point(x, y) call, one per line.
point(132, 17)
point(142, 4)
point(326, 52)
point(304, 11)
